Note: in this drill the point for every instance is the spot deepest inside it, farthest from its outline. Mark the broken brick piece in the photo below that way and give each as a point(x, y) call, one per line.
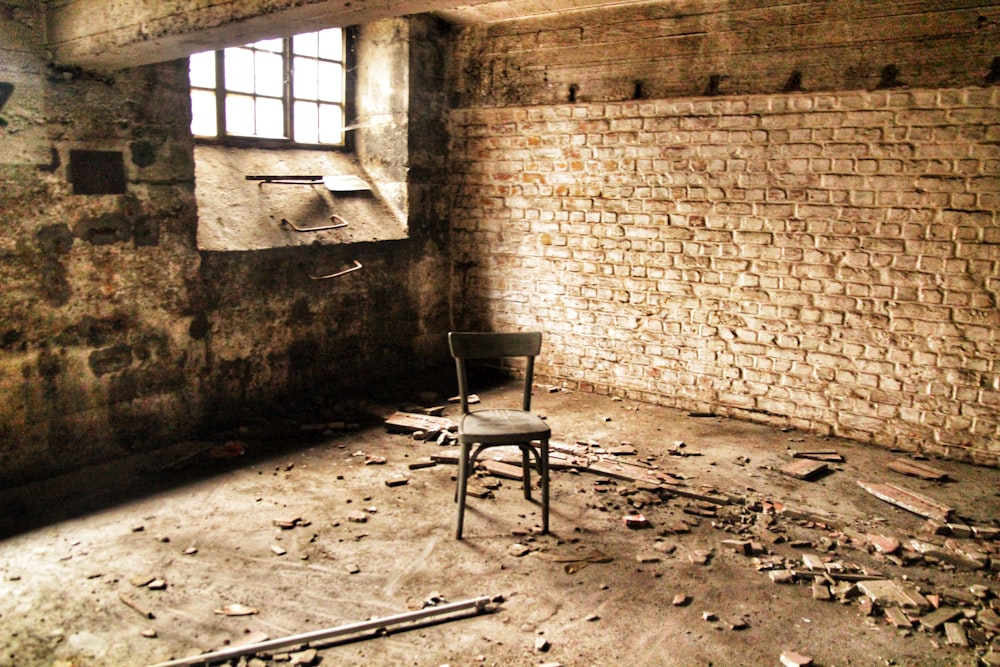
point(887, 592)
point(635, 521)
point(804, 469)
point(988, 619)
point(898, 618)
point(794, 659)
point(917, 469)
point(820, 590)
point(739, 546)
point(782, 576)
point(357, 517)
point(397, 481)
point(939, 617)
point(955, 634)
point(883, 543)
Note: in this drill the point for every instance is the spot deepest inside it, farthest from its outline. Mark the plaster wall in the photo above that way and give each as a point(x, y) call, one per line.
point(117, 334)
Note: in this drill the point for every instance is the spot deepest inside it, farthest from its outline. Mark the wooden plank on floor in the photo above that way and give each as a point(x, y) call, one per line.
point(908, 500)
point(804, 469)
point(917, 469)
point(829, 455)
point(502, 469)
point(408, 422)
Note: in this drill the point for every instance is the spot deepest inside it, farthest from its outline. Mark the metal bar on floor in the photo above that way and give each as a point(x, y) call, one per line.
point(318, 635)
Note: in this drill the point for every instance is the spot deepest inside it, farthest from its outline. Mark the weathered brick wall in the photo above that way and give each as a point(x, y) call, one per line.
point(782, 212)
point(827, 261)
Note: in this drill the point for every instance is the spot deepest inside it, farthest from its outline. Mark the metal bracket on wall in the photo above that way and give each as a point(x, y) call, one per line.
point(289, 223)
point(287, 180)
point(333, 183)
point(357, 265)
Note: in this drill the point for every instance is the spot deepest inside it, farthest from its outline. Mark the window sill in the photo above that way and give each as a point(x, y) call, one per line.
point(235, 214)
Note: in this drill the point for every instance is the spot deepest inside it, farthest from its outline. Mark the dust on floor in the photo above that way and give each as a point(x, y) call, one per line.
point(722, 559)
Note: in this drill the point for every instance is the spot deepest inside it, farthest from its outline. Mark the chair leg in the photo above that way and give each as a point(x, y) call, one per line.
point(526, 467)
point(463, 479)
point(543, 472)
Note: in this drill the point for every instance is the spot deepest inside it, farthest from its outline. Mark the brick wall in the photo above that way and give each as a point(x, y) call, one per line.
point(826, 261)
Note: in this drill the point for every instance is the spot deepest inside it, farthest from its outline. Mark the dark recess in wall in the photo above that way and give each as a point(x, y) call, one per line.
point(97, 172)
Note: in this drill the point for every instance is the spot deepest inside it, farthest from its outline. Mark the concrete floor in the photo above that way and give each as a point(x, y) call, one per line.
point(77, 548)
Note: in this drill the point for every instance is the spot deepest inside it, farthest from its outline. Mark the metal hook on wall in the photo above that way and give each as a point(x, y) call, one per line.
point(342, 223)
point(357, 265)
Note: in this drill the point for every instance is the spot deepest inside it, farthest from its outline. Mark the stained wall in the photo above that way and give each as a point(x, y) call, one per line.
point(117, 334)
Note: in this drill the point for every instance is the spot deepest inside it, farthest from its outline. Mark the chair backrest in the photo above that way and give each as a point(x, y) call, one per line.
point(481, 345)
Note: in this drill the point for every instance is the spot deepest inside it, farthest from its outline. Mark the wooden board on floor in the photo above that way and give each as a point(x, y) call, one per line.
point(830, 455)
point(408, 422)
point(805, 469)
point(917, 469)
point(908, 500)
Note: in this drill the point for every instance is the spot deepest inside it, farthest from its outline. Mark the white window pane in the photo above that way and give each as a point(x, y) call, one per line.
point(331, 82)
point(305, 44)
point(270, 118)
point(306, 122)
point(304, 79)
point(239, 70)
point(273, 45)
point(331, 124)
point(240, 115)
point(269, 74)
point(201, 67)
point(203, 120)
point(331, 44)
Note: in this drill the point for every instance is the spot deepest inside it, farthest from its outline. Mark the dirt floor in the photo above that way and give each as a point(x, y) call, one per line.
point(132, 563)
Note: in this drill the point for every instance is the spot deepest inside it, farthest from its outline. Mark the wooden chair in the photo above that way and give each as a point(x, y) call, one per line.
point(493, 427)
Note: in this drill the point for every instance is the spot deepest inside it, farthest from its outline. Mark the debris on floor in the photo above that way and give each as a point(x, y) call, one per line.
point(805, 469)
point(920, 586)
point(409, 422)
point(237, 609)
point(917, 469)
point(908, 500)
point(828, 455)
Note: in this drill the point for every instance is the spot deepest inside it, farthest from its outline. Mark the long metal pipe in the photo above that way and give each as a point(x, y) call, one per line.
point(328, 633)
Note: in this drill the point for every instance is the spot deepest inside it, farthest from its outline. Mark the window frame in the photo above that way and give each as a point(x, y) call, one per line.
point(240, 141)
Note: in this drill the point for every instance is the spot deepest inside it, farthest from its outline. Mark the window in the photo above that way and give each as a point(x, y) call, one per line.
point(291, 90)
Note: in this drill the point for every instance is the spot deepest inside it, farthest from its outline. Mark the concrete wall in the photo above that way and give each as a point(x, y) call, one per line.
point(782, 213)
point(116, 334)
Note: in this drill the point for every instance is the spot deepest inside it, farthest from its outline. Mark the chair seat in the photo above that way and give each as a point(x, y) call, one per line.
point(501, 426)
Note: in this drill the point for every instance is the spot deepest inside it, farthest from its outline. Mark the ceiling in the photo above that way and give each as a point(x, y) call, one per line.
point(507, 10)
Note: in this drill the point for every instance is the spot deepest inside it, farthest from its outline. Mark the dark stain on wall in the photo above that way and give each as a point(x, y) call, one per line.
point(146, 232)
point(104, 230)
point(300, 313)
point(54, 285)
point(95, 332)
point(110, 359)
point(97, 172)
point(200, 327)
point(143, 153)
point(55, 239)
point(50, 367)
